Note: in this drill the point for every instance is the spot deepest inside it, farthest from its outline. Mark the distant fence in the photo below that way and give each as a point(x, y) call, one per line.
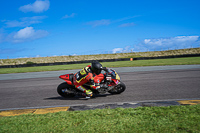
point(103, 60)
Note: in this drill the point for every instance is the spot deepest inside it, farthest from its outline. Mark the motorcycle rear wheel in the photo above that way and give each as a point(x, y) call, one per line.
point(61, 88)
point(118, 88)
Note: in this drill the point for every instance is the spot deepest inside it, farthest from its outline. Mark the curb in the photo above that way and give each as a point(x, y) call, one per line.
point(32, 111)
point(99, 106)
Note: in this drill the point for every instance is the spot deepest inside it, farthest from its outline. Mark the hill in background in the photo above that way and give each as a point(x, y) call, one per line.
point(98, 57)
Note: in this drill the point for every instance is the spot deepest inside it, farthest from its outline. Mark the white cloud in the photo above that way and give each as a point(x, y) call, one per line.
point(38, 6)
point(28, 34)
point(172, 41)
point(99, 22)
point(179, 42)
point(122, 50)
point(26, 21)
point(24, 33)
point(125, 18)
point(69, 16)
point(127, 25)
point(159, 44)
point(186, 38)
point(115, 50)
point(108, 22)
point(34, 18)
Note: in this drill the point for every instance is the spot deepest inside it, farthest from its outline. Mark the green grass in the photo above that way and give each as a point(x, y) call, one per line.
point(173, 119)
point(136, 63)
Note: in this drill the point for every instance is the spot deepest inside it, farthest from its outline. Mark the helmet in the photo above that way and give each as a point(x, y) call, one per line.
point(96, 67)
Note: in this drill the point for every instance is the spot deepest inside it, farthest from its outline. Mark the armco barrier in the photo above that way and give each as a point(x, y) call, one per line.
point(103, 60)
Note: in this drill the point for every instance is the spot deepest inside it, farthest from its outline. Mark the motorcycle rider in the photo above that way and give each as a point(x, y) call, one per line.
point(86, 75)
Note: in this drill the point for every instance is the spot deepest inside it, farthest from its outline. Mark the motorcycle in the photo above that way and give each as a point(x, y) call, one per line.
point(108, 81)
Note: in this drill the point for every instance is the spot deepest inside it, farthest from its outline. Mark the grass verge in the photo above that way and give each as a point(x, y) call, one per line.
point(136, 63)
point(143, 119)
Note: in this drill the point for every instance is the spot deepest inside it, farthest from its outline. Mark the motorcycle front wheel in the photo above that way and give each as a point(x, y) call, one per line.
point(118, 88)
point(61, 89)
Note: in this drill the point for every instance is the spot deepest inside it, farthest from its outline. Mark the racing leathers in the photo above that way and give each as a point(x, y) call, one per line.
point(84, 76)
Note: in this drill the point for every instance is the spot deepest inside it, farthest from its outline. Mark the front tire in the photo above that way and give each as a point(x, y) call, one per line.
point(118, 88)
point(61, 90)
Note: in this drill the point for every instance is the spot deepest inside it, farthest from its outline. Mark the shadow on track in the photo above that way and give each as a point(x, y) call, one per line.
point(76, 97)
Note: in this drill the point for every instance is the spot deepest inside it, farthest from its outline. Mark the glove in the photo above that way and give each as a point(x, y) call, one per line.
point(105, 69)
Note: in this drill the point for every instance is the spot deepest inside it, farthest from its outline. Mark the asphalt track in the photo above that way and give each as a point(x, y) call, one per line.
point(38, 90)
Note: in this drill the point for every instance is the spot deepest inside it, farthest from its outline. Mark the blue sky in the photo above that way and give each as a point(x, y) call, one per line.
point(33, 28)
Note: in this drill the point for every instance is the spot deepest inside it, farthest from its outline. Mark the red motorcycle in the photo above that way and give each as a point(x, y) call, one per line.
point(109, 82)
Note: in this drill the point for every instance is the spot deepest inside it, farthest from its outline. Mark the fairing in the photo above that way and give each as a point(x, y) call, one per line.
point(66, 78)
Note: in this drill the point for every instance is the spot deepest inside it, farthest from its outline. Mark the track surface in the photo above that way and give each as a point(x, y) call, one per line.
point(155, 84)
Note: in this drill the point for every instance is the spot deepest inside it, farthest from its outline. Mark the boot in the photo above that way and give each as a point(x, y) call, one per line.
point(87, 92)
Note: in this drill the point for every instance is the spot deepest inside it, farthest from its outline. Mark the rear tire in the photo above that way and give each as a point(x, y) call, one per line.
point(118, 88)
point(62, 87)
